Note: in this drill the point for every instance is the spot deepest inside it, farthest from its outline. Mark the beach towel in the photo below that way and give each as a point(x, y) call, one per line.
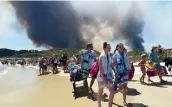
point(85, 63)
point(106, 64)
point(73, 68)
point(126, 62)
point(106, 61)
point(122, 66)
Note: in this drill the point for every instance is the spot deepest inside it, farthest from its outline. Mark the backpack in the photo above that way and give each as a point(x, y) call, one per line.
point(94, 68)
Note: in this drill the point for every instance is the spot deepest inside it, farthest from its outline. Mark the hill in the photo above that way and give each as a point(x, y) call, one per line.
point(9, 52)
point(58, 52)
point(36, 53)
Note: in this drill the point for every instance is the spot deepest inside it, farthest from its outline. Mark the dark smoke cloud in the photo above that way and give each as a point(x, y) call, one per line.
point(72, 24)
point(49, 23)
point(132, 31)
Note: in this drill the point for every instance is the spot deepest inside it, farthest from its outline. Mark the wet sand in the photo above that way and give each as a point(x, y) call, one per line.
point(21, 87)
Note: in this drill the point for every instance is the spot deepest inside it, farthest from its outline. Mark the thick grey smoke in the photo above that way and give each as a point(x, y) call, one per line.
point(49, 23)
point(112, 21)
point(72, 24)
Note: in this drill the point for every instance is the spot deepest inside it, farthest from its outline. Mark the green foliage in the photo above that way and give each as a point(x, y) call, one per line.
point(44, 53)
point(8, 52)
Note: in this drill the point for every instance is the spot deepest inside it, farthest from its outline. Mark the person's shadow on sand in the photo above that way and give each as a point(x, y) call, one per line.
point(161, 85)
point(132, 105)
point(79, 93)
point(132, 92)
point(92, 96)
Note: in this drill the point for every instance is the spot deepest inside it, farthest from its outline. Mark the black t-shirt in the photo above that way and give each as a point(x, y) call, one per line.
point(64, 58)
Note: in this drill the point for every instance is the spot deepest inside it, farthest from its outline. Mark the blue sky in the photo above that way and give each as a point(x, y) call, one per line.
point(157, 29)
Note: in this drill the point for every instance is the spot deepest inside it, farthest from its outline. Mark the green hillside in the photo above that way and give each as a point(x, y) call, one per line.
point(48, 53)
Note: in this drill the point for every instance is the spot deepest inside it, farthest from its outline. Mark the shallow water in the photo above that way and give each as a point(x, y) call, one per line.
point(15, 77)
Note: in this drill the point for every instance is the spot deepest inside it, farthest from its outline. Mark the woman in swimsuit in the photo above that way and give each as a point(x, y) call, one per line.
point(154, 57)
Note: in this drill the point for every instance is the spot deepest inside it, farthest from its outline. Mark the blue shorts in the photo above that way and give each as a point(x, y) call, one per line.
point(157, 66)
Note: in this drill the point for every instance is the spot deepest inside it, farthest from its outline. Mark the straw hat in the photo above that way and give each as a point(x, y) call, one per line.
point(154, 47)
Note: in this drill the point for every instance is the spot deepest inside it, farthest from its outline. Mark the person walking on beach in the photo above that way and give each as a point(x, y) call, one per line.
point(41, 67)
point(121, 69)
point(92, 59)
point(55, 63)
point(64, 60)
point(154, 58)
point(45, 64)
point(105, 74)
point(85, 65)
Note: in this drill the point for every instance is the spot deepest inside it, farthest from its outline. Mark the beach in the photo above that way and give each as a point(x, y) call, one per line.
point(21, 87)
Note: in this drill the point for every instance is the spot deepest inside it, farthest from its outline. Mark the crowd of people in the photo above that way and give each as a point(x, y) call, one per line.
point(113, 71)
point(54, 63)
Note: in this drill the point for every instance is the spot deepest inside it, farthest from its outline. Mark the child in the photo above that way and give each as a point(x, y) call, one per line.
point(143, 68)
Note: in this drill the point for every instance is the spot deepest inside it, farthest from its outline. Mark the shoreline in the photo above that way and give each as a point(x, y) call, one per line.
point(21, 87)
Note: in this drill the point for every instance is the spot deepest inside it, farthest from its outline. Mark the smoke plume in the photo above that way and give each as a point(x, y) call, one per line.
point(112, 21)
point(73, 24)
point(49, 23)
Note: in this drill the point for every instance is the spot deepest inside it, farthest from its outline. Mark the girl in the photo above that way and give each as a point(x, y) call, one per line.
point(143, 68)
point(122, 67)
point(105, 75)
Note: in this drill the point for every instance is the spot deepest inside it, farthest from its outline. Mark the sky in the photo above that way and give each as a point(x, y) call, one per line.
point(157, 29)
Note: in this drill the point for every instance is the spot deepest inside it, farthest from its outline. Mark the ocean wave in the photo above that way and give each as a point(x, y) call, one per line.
point(3, 71)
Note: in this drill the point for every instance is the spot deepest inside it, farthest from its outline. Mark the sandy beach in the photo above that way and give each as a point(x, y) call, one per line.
point(21, 87)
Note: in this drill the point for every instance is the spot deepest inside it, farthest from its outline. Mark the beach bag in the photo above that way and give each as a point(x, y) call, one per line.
point(94, 69)
point(151, 73)
point(131, 73)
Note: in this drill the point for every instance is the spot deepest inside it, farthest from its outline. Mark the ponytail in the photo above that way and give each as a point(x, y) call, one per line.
point(116, 48)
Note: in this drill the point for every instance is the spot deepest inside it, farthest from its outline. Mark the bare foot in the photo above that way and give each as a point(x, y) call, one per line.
point(91, 90)
point(149, 80)
point(125, 104)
